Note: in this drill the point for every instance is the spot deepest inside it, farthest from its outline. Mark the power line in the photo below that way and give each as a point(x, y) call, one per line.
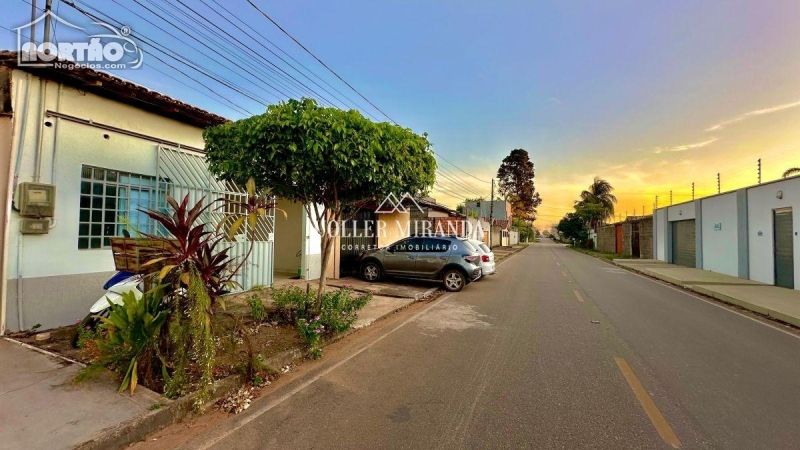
point(248, 62)
point(321, 97)
point(170, 54)
point(293, 59)
point(223, 56)
point(460, 184)
point(231, 105)
point(460, 169)
point(318, 60)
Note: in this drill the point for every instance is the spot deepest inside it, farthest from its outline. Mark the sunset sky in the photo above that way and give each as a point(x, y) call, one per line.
point(651, 96)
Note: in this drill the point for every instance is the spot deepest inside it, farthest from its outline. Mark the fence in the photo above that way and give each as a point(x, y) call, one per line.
point(184, 173)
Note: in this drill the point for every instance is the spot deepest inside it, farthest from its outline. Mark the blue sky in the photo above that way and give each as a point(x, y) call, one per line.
point(628, 90)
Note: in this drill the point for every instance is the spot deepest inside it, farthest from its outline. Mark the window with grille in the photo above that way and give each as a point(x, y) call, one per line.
point(109, 205)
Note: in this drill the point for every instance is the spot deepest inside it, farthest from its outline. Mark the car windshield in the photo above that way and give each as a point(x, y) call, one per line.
point(469, 246)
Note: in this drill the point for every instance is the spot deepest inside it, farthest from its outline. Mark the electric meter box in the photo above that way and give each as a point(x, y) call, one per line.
point(34, 226)
point(36, 199)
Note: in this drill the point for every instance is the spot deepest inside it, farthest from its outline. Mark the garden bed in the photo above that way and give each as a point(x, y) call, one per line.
point(267, 338)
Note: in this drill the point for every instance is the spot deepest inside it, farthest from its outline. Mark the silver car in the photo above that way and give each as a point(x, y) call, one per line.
point(452, 260)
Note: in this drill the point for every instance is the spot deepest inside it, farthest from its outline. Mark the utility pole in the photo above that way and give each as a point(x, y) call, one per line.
point(33, 22)
point(491, 214)
point(759, 170)
point(692, 190)
point(719, 185)
point(47, 21)
point(670, 198)
point(656, 202)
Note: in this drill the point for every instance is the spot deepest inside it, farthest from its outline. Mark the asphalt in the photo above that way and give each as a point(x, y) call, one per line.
point(534, 357)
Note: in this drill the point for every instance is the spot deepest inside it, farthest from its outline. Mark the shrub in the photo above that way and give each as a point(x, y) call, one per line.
point(292, 302)
point(128, 338)
point(340, 309)
point(311, 331)
point(257, 309)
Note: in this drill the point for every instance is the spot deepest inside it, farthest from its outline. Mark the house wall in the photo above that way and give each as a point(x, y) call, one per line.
point(607, 239)
point(497, 236)
point(761, 201)
point(683, 211)
point(646, 238)
point(660, 235)
point(5, 164)
point(289, 237)
point(395, 226)
point(53, 281)
point(312, 256)
point(627, 239)
point(720, 232)
point(735, 229)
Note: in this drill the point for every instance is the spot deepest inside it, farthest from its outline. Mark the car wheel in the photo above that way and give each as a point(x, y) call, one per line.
point(371, 272)
point(453, 280)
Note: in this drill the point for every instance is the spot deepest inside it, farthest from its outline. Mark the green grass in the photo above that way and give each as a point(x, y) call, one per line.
point(599, 254)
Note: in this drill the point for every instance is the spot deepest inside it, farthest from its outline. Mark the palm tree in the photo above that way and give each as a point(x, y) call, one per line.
point(600, 192)
point(791, 172)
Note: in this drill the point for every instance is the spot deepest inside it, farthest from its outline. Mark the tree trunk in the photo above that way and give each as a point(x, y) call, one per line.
point(327, 241)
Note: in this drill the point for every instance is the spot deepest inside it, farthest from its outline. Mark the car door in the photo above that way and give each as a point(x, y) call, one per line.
point(433, 256)
point(401, 257)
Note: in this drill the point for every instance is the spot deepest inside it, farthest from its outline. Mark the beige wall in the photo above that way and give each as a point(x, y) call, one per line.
point(393, 227)
point(5, 166)
point(288, 237)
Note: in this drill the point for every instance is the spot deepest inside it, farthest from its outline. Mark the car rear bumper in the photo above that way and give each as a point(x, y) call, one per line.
point(489, 268)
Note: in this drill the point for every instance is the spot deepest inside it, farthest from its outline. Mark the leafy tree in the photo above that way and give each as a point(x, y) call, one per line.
point(573, 227)
point(515, 179)
point(600, 193)
point(591, 212)
point(330, 160)
point(791, 171)
point(526, 231)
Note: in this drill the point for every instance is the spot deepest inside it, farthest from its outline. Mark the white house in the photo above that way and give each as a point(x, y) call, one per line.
point(97, 148)
point(750, 233)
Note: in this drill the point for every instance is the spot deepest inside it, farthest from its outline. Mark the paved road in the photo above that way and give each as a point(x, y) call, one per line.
point(518, 360)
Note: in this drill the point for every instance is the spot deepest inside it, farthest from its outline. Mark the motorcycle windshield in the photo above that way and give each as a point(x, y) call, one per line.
point(117, 278)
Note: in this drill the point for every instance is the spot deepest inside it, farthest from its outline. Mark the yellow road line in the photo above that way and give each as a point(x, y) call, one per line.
point(658, 420)
point(579, 296)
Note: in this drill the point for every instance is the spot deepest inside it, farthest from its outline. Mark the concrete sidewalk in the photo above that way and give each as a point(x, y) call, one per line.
point(779, 303)
point(40, 407)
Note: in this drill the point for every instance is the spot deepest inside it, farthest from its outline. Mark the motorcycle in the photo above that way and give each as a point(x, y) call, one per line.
point(120, 283)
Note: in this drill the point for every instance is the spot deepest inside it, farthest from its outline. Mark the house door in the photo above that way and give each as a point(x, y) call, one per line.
point(784, 247)
point(619, 240)
point(635, 251)
point(683, 243)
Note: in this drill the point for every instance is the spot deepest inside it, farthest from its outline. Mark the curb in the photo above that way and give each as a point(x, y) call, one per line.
point(699, 289)
point(44, 352)
point(137, 428)
point(294, 355)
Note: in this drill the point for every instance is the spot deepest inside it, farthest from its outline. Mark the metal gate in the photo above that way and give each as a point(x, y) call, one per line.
point(618, 234)
point(635, 250)
point(183, 172)
point(784, 247)
point(357, 236)
point(683, 243)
